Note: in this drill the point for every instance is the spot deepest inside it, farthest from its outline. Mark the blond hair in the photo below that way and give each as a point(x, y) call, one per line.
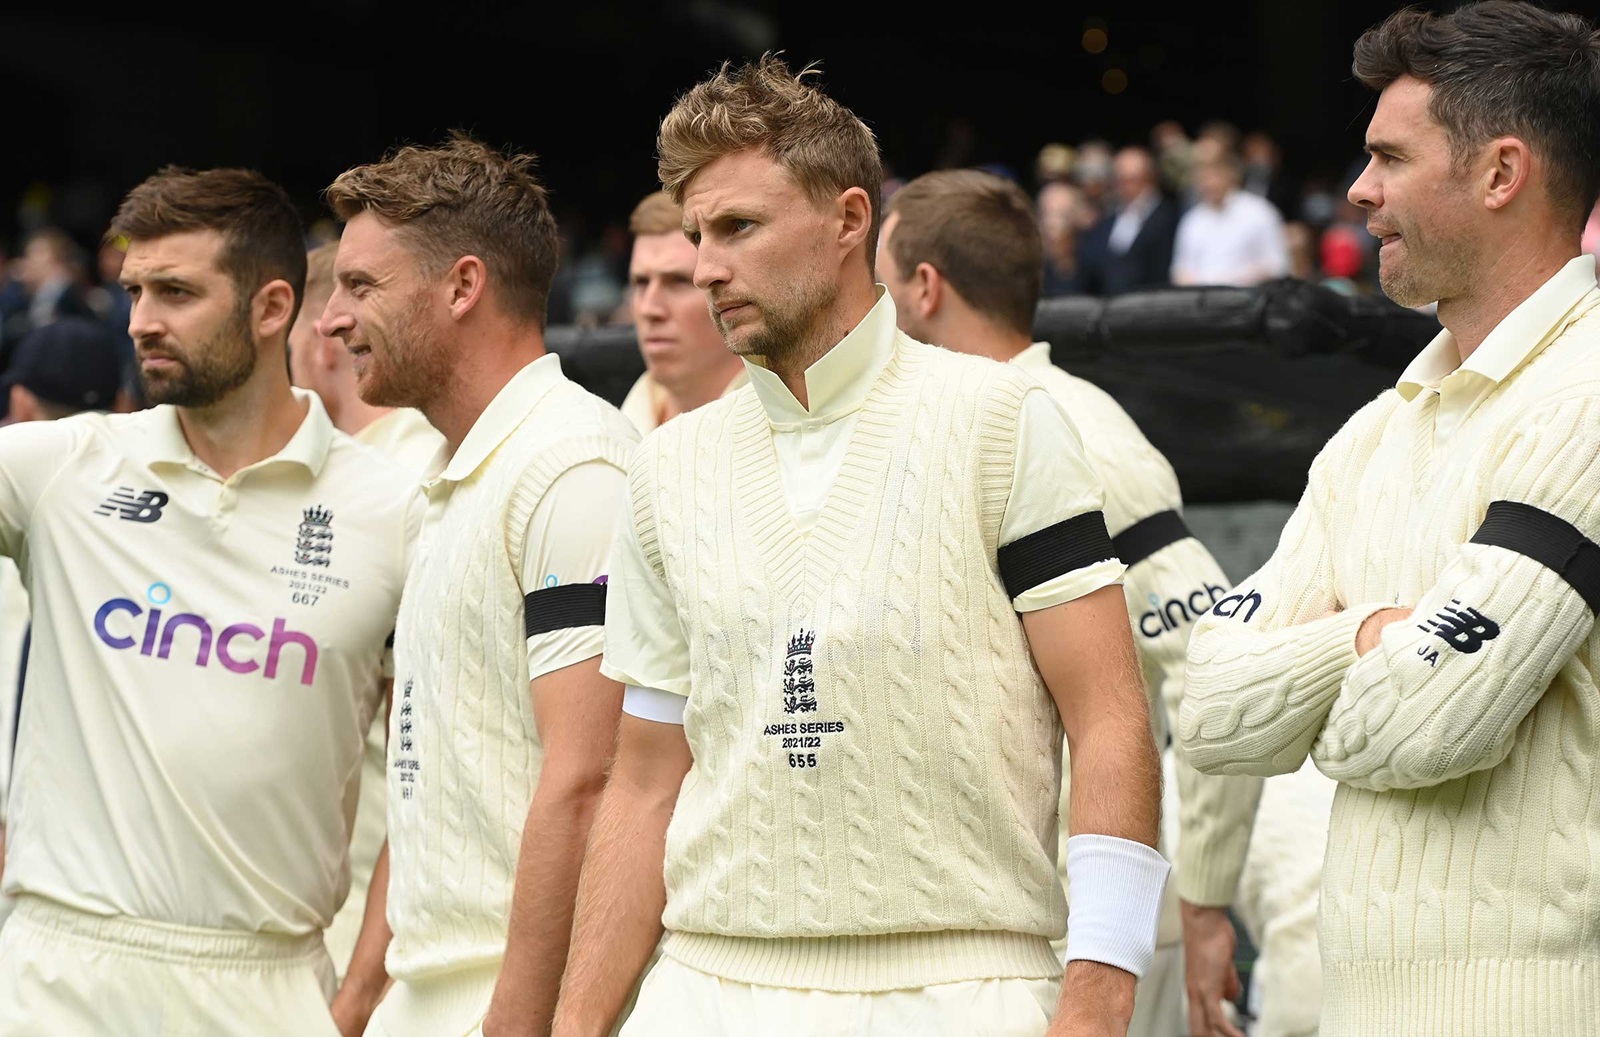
point(656, 213)
point(462, 198)
point(319, 270)
point(766, 108)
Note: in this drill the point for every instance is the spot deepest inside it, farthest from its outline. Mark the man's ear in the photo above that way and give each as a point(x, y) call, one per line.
point(855, 219)
point(464, 285)
point(1510, 165)
point(272, 309)
point(928, 290)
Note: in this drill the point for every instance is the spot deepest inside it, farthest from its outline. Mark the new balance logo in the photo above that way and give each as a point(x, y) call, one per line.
point(134, 507)
point(1463, 628)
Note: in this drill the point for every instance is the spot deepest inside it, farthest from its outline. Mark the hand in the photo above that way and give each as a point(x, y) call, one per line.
point(1372, 627)
point(349, 1015)
point(1208, 971)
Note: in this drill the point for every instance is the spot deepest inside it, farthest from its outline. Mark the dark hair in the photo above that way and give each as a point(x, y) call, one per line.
point(1502, 68)
point(463, 198)
point(261, 232)
point(979, 232)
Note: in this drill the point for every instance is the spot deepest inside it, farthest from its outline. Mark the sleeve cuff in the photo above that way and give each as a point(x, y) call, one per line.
point(1116, 901)
point(1070, 586)
point(662, 707)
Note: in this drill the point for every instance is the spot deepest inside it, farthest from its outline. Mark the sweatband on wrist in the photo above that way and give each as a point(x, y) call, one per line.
point(1116, 901)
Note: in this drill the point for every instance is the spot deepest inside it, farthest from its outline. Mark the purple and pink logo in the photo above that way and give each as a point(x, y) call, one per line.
point(160, 630)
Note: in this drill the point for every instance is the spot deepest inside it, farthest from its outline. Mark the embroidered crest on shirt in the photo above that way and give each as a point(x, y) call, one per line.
point(799, 678)
point(314, 546)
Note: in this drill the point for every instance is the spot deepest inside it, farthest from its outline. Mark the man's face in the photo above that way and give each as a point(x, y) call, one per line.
point(308, 347)
point(762, 256)
point(1417, 202)
point(1133, 175)
point(681, 345)
point(383, 309)
point(191, 328)
point(899, 285)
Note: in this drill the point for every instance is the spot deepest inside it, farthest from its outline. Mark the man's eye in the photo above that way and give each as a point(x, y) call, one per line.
point(741, 225)
point(173, 292)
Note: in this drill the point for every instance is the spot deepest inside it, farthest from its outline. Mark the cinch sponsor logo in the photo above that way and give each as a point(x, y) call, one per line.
point(237, 646)
point(1175, 612)
point(1243, 605)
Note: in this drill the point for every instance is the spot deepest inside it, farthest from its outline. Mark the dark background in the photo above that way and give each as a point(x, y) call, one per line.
point(302, 91)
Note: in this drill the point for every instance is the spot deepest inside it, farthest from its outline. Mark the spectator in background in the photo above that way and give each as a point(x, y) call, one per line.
point(1065, 216)
point(64, 368)
point(1053, 163)
point(111, 301)
point(1170, 144)
point(686, 362)
point(1131, 247)
point(52, 274)
point(1230, 237)
point(1091, 171)
point(1263, 173)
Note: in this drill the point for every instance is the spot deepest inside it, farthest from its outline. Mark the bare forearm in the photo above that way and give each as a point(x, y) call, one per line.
point(366, 979)
point(541, 912)
point(1095, 999)
point(1116, 780)
point(620, 900)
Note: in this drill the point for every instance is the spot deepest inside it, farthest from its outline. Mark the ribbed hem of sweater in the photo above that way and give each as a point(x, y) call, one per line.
point(1211, 879)
point(1486, 997)
point(867, 964)
point(443, 1003)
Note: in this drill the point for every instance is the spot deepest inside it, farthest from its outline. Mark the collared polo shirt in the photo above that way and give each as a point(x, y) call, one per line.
point(1458, 385)
point(206, 661)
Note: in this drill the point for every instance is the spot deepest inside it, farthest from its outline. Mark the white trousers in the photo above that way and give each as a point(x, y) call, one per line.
point(678, 1001)
point(63, 972)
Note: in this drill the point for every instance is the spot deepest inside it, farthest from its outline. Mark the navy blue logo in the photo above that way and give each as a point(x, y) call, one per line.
point(134, 507)
point(1175, 612)
point(1463, 628)
point(314, 546)
point(799, 683)
point(1230, 607)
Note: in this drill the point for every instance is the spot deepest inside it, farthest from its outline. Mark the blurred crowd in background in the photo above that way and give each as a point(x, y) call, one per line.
point(1216, 206)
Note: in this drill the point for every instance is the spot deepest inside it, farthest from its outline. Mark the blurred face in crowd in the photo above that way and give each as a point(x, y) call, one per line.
point(311, 353)
point(1418, 204)
point(763, 259)
point(1135, 173)
point(681, 345)
point(384, 309)
point(193, 331)
point(1215, 180)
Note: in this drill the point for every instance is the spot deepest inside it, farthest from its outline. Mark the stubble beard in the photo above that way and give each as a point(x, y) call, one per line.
point(410, 372)
point(786, 325)
point(217, 367)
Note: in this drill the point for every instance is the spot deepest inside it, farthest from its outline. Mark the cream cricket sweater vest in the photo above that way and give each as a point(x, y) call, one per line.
point(1461, 889)
point(464, 753)
point(872, 804)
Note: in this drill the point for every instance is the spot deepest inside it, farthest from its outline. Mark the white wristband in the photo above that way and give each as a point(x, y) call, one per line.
point(1116, 901)
point(653, 704)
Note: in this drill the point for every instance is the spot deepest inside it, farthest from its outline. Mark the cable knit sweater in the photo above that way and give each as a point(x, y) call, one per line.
point(911, 817)
point(1461, 891)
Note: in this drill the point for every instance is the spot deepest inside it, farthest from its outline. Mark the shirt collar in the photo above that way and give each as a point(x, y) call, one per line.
point(308, 446)
point(1035, 358)
point(505, 412)
point(838, 382)
point(1516, 338)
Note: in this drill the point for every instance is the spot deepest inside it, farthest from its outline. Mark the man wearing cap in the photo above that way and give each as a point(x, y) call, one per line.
point(58, 370)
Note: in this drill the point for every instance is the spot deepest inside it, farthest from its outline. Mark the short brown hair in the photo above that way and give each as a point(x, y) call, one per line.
point(1500, 68)
point(319, 269)
point(766, 108)
point(978, 230)
point(462, 198)
point(656, 213)
point(263, 239)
